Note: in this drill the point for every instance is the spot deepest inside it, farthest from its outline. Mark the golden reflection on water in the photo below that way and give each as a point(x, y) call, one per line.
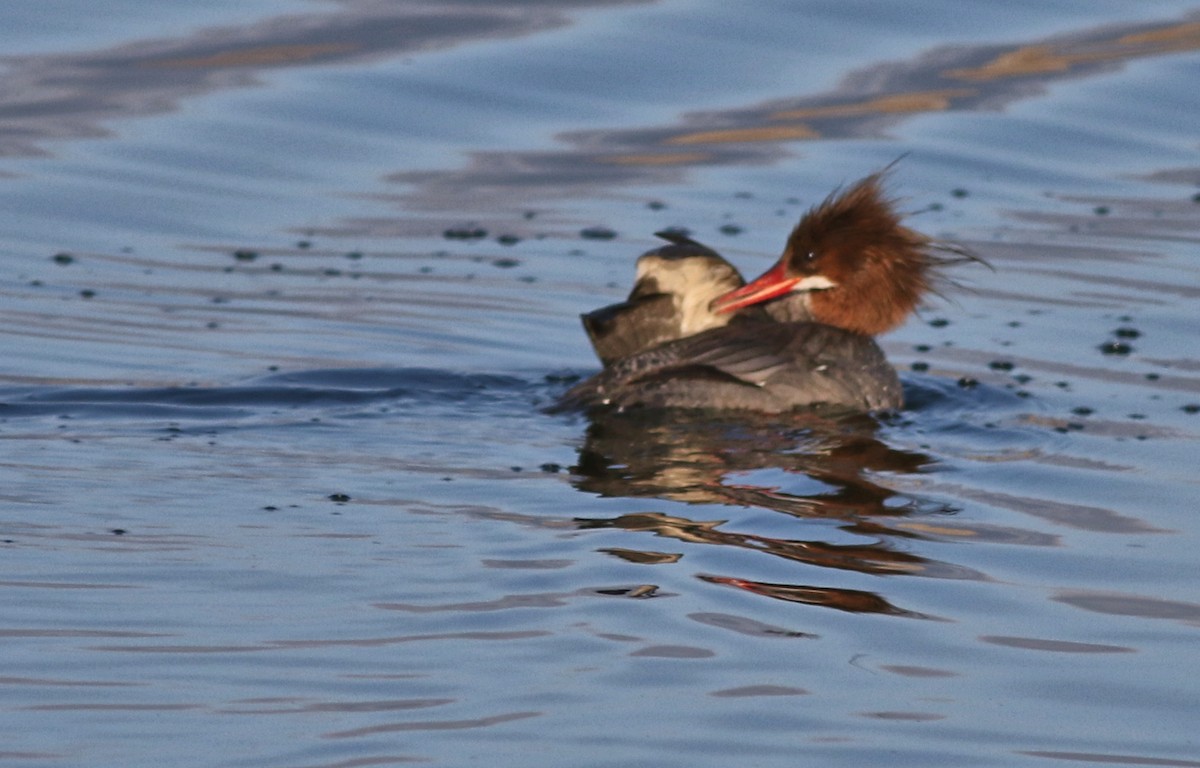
point(897, 90)
point(896, 103)
point(737, 135)
point(660, 158)
point(915, 89)
point(1046, 59)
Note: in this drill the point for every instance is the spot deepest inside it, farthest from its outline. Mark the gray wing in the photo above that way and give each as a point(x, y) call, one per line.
point(768, 367)
point(622, 330)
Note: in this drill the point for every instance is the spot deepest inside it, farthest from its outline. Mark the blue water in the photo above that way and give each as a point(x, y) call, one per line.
point(284, 289)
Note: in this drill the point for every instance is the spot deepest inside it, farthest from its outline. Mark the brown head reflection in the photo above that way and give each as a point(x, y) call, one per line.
point(809, 465)
point(852, 600)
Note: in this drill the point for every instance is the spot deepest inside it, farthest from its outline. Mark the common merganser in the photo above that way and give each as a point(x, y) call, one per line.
point(850, 270)
point(671, 298)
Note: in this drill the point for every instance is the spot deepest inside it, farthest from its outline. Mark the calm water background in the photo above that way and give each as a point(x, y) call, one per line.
point(284, 285)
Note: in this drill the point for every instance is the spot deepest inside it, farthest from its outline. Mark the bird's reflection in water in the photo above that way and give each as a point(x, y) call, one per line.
point(702, 458)
point(852, 600)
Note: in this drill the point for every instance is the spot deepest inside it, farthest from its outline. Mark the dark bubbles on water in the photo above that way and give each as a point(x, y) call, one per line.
point(465, 233)
point(1116, 348)
point(597, 233)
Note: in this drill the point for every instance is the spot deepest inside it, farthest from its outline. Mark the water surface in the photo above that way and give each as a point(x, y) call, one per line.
point(284, 287)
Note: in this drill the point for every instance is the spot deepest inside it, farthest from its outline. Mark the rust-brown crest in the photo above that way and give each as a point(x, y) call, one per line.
point(881, 269)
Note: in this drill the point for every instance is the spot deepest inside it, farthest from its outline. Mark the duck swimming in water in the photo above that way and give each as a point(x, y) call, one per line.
point(671, 298)
point(799, 335)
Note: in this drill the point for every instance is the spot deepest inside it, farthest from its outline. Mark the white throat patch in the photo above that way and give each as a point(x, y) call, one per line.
point(813, 283)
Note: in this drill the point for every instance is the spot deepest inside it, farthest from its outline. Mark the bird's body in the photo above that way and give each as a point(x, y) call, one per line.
point(763, 366)
point(693, 335)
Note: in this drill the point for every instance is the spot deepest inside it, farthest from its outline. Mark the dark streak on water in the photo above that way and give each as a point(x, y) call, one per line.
point(345, 389)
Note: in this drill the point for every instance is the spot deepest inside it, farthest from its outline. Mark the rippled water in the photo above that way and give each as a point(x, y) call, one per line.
point(284, 287)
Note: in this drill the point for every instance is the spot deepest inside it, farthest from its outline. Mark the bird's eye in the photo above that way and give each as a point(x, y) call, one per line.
point(801, 258)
